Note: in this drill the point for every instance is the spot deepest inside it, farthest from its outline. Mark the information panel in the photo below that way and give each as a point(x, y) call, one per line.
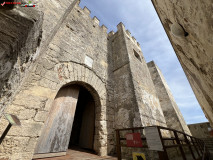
point(153, 139)
point(13, 119)
point(133, 140)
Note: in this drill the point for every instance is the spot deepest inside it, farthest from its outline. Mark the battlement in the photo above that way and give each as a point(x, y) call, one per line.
point(86, 10)
point(128, 33)
point(120, 26)
point(132, 38)
point(95, 20)
point(78, 2)
point(111, 33)
point(104, 28)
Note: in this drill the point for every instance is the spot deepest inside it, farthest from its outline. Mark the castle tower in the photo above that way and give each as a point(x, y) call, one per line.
point(173, 116)
point(136, 102)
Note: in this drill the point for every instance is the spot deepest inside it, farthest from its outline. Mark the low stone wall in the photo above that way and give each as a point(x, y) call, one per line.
point(201, 130)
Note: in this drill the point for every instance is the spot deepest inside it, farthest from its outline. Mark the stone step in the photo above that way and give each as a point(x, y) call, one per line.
point(209, 143)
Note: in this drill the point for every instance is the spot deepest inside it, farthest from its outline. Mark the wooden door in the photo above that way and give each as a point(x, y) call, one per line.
point(56, 133)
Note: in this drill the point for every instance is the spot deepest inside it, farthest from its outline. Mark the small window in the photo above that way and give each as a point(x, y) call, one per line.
point(137, 55)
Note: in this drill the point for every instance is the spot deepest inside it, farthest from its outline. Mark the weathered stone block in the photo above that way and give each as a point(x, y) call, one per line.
point(26, 114)
point(29, 101)
point(41, 116)
point(28, 128)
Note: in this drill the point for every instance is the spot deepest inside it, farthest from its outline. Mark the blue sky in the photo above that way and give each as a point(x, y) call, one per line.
point(140, 18)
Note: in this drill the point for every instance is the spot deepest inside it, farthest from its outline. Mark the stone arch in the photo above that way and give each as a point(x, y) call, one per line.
point(98, 120)
point(73, 73)
point(100, 110)
point(34, 100)
point(67, 72)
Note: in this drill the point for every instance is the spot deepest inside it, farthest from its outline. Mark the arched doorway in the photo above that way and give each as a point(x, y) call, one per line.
point(71, 121)
point(83, 129)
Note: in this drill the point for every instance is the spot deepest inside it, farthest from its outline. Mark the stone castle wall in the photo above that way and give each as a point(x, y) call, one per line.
point(136, 103)
point(18, 46)
point(201, 130)
point(30, 31)
point(173, 116)
point(146, 96)
point(63, 62)
point(125, 102)
point(194, 51)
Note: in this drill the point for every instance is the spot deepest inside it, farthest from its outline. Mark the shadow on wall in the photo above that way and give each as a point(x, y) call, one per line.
point(20, 35)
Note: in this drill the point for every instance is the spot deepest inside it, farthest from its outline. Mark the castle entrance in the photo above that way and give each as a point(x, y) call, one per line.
point(82, 135)
point(70, 124)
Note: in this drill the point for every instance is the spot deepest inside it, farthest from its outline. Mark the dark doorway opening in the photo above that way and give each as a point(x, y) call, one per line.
point(82, 135)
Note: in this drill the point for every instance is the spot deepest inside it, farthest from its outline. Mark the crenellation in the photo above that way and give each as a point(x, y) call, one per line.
point(79, 9)
point(128, 33)
point(86, 10)
point(111, 33)
point(78, 2)
point(96, 20)
point(138, 44)
point(134, 40)
point(121, 27)
point(104, 28)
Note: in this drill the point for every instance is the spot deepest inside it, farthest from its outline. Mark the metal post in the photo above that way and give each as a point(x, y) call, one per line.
point(189, 145)
point(118, 145)
point(162, 155)
point(5, 132)
point(180, 147)
point(198, 153)
point(200, 146)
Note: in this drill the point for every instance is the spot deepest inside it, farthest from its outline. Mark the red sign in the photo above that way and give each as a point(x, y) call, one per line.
point(133, 140)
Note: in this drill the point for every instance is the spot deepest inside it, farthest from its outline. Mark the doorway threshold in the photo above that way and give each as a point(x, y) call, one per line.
point(77, 154)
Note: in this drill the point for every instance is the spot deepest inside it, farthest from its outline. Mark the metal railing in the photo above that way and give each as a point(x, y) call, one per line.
point(195, 147)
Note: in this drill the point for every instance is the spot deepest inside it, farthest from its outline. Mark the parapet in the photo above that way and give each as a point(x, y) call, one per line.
point(78, 2)
point(132, 38)
point(95, 20)
point(86, 10)
point(128, 33)
point(138, 44)
point(111, 33)
point(104, 28)
point(120, 26)
point(151, 63)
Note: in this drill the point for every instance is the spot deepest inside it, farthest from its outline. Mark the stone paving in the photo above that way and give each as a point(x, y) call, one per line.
point(79, 154)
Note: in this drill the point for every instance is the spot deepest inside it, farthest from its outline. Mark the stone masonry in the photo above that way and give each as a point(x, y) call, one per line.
point(194, 50)
point(172, 114)
point(135, 87)
point(201, 130)
point(73, 49)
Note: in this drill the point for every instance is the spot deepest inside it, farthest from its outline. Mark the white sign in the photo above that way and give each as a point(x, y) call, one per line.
point(88, 61)
point(153, 139)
